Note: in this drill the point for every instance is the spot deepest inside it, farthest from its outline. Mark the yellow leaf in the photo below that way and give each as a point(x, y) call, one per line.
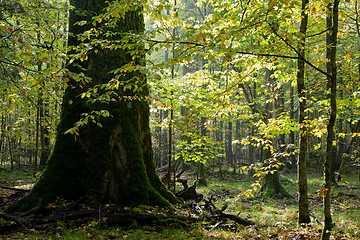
point(322, 193)
point(84, 57)
point(199, 36)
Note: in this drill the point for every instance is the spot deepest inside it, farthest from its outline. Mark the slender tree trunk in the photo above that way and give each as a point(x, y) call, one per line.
point(237, 150)
point(11, 152)
point(160, 139)
point(303, 203)
point(348, 149)
point(292, 163)
point(229, 150)
point(282, 141)
point(219, 138)
point(332, 24)
point(336, 163)
point(37, 131)
point(2, 138)
point(170, 147)
point(251, 171)
point(165, 142)
point(157, 139)
point(202, 179)
point(44, 132)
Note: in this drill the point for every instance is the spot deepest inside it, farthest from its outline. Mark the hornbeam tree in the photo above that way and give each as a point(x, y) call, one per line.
point(304, 216)
point(111, 161)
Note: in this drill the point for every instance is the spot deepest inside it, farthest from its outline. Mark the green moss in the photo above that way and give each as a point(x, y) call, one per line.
point(272, 186)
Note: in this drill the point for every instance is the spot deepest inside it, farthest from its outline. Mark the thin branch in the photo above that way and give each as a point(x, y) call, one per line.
point(319, 33)
point(243, 13)
point(16, 65)
point(236, 51)
point(201, 14)
point(300, 56)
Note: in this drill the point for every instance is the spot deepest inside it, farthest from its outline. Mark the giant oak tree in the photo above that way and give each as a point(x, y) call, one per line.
point(112, 162)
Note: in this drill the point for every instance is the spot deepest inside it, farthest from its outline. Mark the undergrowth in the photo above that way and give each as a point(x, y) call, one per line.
point(275, 218)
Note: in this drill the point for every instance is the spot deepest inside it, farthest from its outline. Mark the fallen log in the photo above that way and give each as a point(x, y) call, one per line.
point(218, 224)
point(36, 222)
point(14, 219)
point(237, 219)
point(64, 216)
point(190, 194)
point(16, 189)
point(224, 226)
point(135, 219)
point(219, 213)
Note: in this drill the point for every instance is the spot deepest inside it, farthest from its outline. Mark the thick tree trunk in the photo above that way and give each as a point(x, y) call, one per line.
point(113, 163)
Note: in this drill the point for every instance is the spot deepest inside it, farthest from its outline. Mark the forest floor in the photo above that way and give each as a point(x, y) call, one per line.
point(274, 218)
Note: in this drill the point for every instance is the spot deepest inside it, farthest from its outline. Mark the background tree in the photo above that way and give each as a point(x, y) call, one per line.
point(32, 46)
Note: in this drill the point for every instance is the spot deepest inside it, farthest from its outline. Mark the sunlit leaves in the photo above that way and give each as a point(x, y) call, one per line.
point(323, 192)
point(32, 41)
point(198, 148)
point(283, 124)
point(93, 117)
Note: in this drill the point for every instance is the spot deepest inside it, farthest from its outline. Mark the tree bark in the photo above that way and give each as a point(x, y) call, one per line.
point(113, 163)
point(303, 203)
point(332, 24)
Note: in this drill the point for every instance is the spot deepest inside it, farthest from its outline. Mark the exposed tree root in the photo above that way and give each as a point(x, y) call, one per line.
point(221, 215)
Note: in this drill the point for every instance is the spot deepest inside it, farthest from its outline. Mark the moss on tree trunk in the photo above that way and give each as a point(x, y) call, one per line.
point(113, 163)
point(271, 184)
point(202, 180)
